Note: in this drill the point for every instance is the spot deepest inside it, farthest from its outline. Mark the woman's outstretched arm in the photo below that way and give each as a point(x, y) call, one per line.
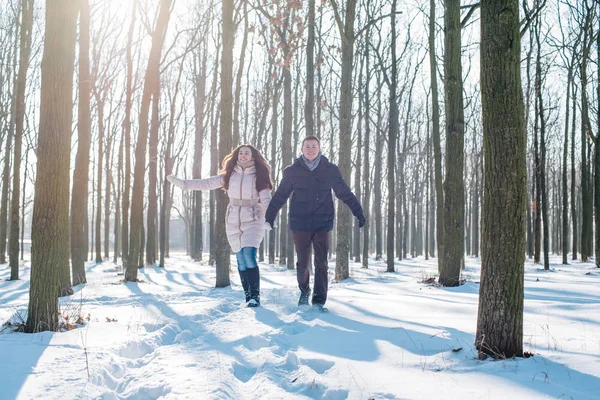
point(214, 182)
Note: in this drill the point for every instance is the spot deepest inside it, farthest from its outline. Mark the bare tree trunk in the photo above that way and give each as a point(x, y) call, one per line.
point(200, 100)
point(214, 162)
point(119, 190)
point(82, 161)
point(274, 148)
point(228, 32)
point(565, 190)
point(391, 156)
point(537, 209)
point(127, 131)
point(437, 147)
point(23, 203)
point(475, 222)
point(342, 270)
point(377, 188)
point(310, 71)
point(107, 194)
point(50, 223)
point(597, 157)
point(542, 165)
point(287, 244)
point(574, 219)
point(500, 316)
point(367, 164)
point(452, 259)
point(238, 83)
point(586, 134)
point(100, 105)
point(25, 50)
point(151, 82)
point(7, 152)
point(152, 215)
point(357, 172)
point(166, 192)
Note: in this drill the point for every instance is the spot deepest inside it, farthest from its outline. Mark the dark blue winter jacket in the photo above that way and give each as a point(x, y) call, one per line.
point(311, 207)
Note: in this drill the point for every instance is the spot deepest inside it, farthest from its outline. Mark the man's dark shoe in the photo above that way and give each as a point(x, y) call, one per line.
point(319, 307)
point(303, 300)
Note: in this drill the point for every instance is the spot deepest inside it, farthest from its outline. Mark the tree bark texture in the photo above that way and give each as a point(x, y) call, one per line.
point(151, 81)
point(228, 31)
point(452, 258)
point(15, 203)
point(344, 225)
point(500, 317)
point(82, 159)
point(50, 223)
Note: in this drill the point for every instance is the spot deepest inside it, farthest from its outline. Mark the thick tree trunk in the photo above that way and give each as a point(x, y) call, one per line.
point(50, 223)
point(452, 258)
point(24, 51)
point(82, 161)
point(228, 32)
point(342, 270)
point(151, 82)
point(500, 315)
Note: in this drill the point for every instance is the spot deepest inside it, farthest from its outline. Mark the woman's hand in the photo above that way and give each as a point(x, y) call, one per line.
point(176, 181)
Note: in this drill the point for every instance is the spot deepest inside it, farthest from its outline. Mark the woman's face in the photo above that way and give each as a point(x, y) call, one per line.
point(245, 154)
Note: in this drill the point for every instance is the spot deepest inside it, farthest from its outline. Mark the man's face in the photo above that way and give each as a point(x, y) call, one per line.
point(310, 149)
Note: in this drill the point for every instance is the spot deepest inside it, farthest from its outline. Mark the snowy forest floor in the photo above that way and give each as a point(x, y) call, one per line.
point(386, 336)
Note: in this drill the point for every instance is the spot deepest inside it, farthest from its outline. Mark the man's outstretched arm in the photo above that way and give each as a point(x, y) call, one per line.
point(279, 198)
point(343, 192)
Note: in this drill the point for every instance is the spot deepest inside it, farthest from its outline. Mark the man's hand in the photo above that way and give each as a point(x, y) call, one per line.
point(176, 181)
point(269, 225)
point(361, 220)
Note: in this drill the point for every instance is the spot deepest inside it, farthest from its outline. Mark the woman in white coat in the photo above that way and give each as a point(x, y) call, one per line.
point(246, 176)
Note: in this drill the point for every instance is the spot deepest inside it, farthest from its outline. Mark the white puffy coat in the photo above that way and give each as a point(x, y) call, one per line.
point(245, 216)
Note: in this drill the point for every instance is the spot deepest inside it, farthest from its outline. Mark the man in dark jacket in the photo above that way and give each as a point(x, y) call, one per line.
point(311, 178)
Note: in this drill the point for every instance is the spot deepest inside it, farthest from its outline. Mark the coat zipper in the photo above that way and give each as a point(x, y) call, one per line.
point(240, 208)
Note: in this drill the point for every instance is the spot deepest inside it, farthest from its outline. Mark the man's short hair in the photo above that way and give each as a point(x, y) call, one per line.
point(311, 137)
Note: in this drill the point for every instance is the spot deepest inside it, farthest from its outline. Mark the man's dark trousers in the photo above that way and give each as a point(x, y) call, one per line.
point(320, 242)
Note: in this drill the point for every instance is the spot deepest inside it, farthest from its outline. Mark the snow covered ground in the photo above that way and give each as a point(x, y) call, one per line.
point(387, 336)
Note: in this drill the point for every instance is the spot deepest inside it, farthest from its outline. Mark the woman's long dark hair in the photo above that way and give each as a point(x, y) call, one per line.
point(263, 169)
